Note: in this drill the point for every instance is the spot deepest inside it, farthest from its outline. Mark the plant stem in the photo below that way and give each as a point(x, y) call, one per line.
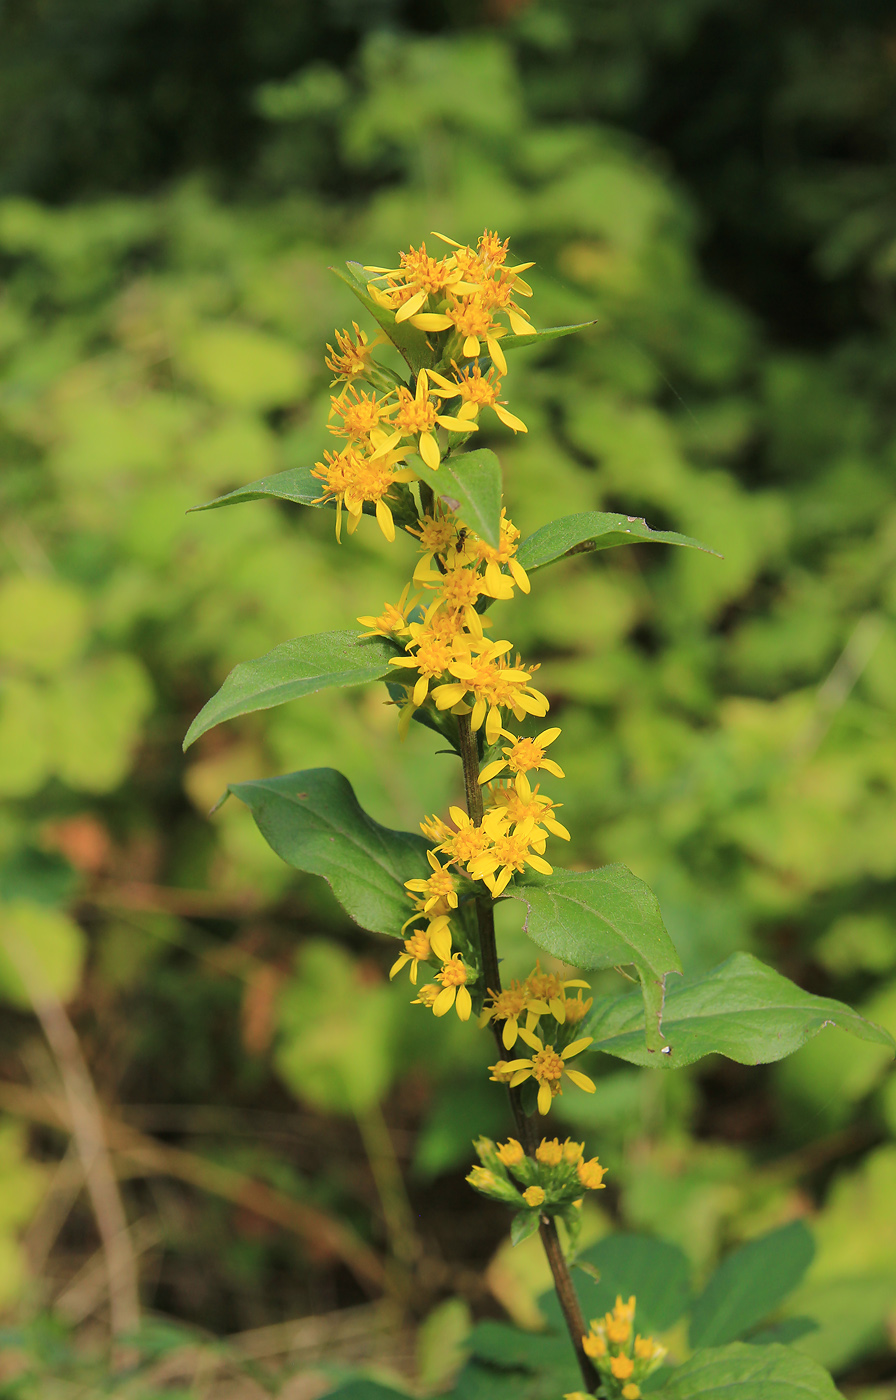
point(491, 974)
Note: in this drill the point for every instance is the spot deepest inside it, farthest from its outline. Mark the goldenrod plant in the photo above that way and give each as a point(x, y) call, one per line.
point(405, 456)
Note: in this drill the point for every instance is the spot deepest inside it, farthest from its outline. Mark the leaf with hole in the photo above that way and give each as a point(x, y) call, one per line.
point(603, 918)
point(591, 531)
point(314, 822)
point(741, 1009)
point(293, 669)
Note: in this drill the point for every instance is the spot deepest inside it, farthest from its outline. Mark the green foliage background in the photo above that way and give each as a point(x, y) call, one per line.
point(712, 183)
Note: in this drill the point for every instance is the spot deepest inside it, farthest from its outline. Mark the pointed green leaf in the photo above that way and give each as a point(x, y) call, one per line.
point(470, 486)
point(590, 531)
point(741, 1009)
point(741, 1372)
point(502, 1345)
point(407, 339)
point(516, 342)
point(314, 822)
point(297, 484)
point(603, 918)
point(295, 668)
point(524, 1224)
point(750, 1284)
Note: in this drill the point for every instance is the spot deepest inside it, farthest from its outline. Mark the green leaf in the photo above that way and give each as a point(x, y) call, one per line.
point(299, 667)
point(470, 486)
point(590, 531)
point(741, 1372)
point(407, 339)
point(503, 1345)
point(313, 821)
point(655, 1270)
point(297, 484)
point(741, 1009)
point(362, 1389)
point(516, 342)
point(603, 918)
point(40, 949)
point(750, 1284)
point(524, 1224)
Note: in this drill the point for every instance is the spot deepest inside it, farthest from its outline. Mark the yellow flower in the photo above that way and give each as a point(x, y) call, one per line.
point(352, 359)
point(426, 995)
point(350, 478)
point(622, 1367)
point(619, 1329)
point(591, 1174)
point(508, 1006)
point(431, 659)
point(415, 416)
point(453, 977)
point(438, 889)
point(572, 1152)
point(523, 755)
point(549, 1152)
point(493, 685)
point(481, 1178)
point(646, 1349)
point(495, 557)
point(526, 811)
point(477, 391)
point(624, 1310)
point(510, 1152)
point(466, 843)
point(500, 1072)
point(547, 986)
point(434, 941)
point(362, 416)
point(631, 1391)
point(594, 1344)
point(533, 1196)
point(393, 620)
point(506, 855)
point(548, 1066)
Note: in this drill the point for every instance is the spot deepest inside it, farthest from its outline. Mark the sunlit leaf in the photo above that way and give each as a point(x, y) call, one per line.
point(590, 531)
point(295, 668)
point(470, 486)
point(603, 918)
point(741, 1372)
point(314, 822)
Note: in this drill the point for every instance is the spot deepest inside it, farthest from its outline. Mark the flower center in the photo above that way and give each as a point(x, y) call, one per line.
point(547, 1066)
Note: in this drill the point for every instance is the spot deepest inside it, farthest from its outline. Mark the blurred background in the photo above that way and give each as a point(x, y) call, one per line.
point(712, 181)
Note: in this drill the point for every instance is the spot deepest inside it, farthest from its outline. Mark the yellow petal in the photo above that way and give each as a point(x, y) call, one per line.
point(537, 863)
point(444, 1001)
point(385, 521)
point(581, 1080)
point(429, 451)
point(407, 309)
point(398, 965)
point(491, 770)
point(497, 355)
point(509, 1034)
point(420, 690)
point(544, 1098)
point(471, 347)
point(510, 419)
point(463, 1004)
point(429, 321)
point(576, 1046)
point(502, 881)
point(518, 324)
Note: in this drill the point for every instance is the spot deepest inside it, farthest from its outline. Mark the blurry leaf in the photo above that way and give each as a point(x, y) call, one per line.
point(41, 877)
point(441, 1343)
point(407, 339)
point(43, 622)
point(50, 944)
point(517, 342)
point(602, 918)
point(750, 1284)
point(593, 530)
point(25, 760)
point(97, 713)
point(787, 1331)
point(296, 484)
point(470, 485)
point(313, 821)
point(337, 1046)
point(657, 1272)
point(741, 1009)
point(295, 668)
point(243, 366)
point(501, 1345)
point(524, 1224)
point(361, 1389)
point(741, 1372)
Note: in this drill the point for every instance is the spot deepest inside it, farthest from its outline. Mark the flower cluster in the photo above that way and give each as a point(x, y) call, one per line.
point(449, 667)
point(461, 301)
point(622, 1357)
point(552, 1182)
